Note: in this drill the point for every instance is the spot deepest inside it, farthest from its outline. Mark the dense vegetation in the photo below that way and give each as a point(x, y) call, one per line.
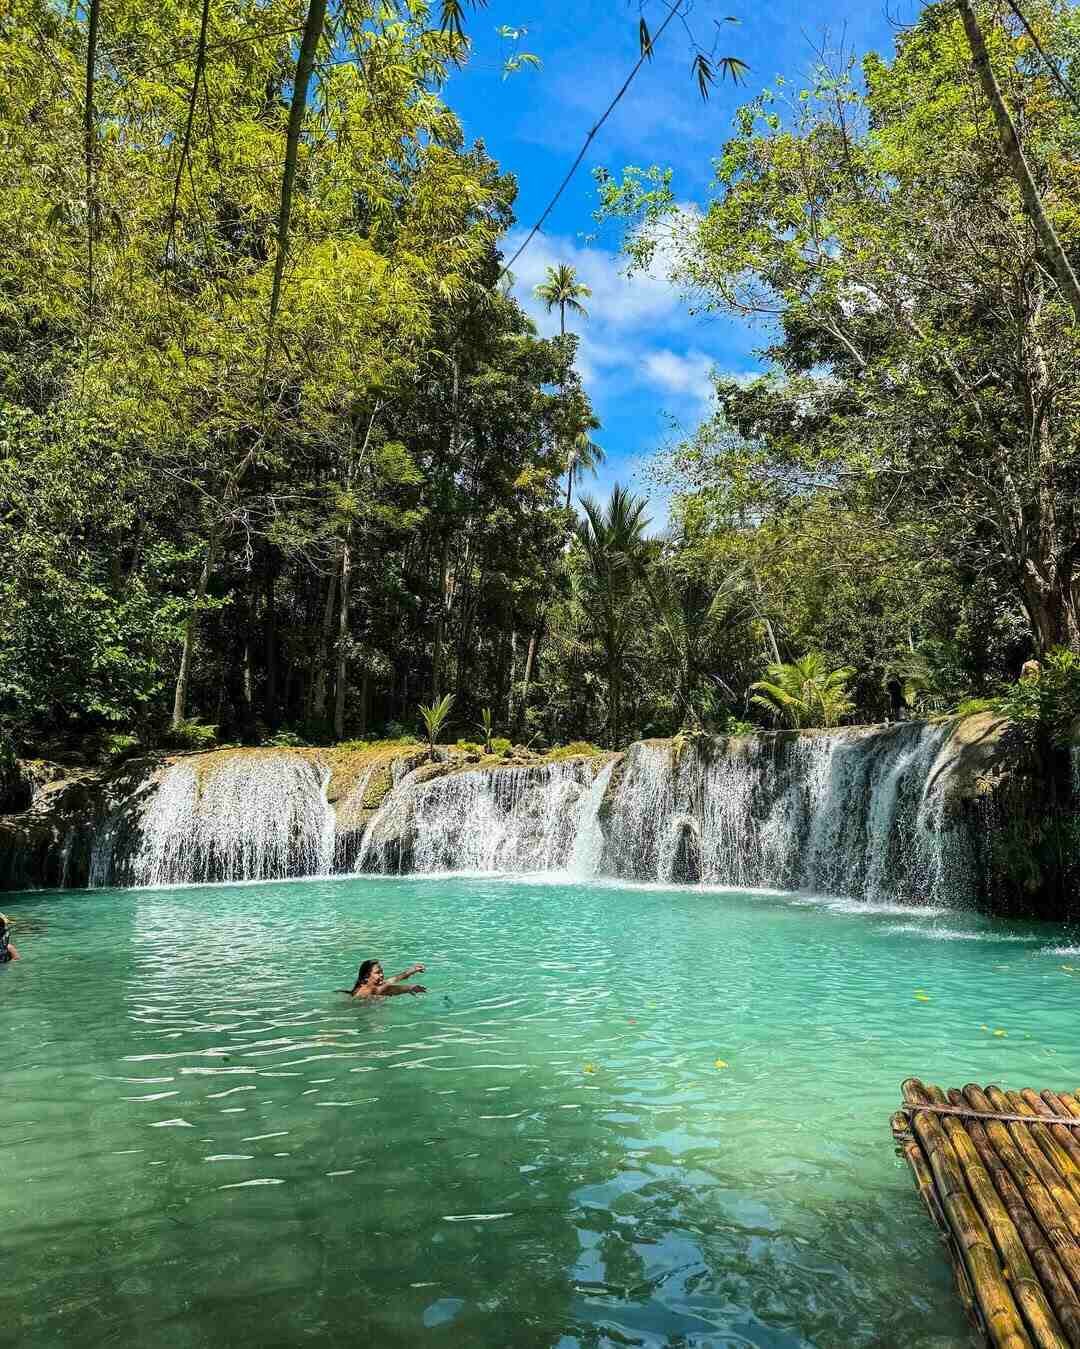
point(281, 456)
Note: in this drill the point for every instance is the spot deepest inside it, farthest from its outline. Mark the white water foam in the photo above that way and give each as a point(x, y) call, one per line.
point(257, 817)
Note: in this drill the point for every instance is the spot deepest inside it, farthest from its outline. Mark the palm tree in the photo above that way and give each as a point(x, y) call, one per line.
point(613, 542)
point(434, 716)
point(806, 692)
point(562, 288)
point(582, 456)
point(693, 614)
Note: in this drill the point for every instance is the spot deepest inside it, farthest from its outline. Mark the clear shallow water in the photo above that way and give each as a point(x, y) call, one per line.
point(202, 1143)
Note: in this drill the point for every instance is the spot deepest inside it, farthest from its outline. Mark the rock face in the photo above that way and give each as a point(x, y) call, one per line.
point(956, 814)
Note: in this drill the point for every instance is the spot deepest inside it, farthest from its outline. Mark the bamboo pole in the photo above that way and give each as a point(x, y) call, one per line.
point(1063, 1297)
point(1017, 1269)
point(1047, 1172)
point(1065, 1153)
point(924, 1182)
point(1061, 1103)
point(1004, 1325)
point(1038, 1198)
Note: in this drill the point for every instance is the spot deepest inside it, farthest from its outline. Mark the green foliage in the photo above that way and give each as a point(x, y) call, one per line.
point(500, 745)
point(286, 739)
point(1048, 703)
point(190, 734)
point(434, 716)
point(575, 750)
point(969, 707)
point(805, 692)
point(487, 723)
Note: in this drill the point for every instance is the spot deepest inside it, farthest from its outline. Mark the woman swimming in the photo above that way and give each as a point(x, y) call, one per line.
point(7, 950)
point(372, 983)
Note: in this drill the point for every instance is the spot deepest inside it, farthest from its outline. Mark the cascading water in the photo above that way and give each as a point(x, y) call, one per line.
point(506, 819)
point(859, 812)
point(244, 817)
point(588, 835)
point(847, 813)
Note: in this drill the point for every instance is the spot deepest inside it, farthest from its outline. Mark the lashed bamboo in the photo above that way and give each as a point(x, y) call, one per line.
point(1041, 1321)
point(1003, 1323)
point(1024, 1136)
point(1055, 1280)
point(1038, 1198)
point(924, 1183)
point(1064, 1140)
point(999, 1172)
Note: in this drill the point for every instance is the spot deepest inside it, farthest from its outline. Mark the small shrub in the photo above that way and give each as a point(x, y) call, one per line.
point(500, 745)
point(575, 750)
point(970, 706)
point(469, 747)
point(191, 733)
point(1049, 704)
point(119, 745)
point(393, 730)
point(734, 726)
point(285, 739)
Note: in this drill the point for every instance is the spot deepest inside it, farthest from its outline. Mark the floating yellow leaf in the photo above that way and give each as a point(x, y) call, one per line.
point(720, 1063)
point(589, 1068)
point(922, 997)
point(1001, 1032)
point(984, 1027)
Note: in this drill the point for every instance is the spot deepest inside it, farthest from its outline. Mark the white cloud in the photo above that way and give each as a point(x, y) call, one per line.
point(689, 374)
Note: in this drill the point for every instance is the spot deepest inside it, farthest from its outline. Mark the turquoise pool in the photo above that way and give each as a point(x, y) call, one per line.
point(621, 1116)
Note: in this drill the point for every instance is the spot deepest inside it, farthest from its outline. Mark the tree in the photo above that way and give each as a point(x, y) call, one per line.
point(434, 718)
point(564, 290)
point(582, 456)
point(612, 540)
point(805, 692)
point(694, 612)
point(925, 368)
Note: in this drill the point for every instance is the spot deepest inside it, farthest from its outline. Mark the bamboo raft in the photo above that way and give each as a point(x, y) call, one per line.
point(999, 1172)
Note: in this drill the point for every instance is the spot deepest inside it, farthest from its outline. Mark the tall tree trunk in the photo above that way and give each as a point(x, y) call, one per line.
point(270, 707)
point(513, 677)
point(341, 675)
point(1014, 155)
point(248, 659)
point(313, 27)
point(362, 711)
point(191, 628)
point(317, 699)
point(569, 484)
point(530, 659)
point(440, 624)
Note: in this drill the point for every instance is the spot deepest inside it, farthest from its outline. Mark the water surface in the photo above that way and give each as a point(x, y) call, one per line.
point(621, 1116)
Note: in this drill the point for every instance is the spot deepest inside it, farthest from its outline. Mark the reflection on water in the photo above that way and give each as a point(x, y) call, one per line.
point(623, 1115)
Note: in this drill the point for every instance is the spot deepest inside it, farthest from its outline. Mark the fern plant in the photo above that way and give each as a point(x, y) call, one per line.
point(434, 718)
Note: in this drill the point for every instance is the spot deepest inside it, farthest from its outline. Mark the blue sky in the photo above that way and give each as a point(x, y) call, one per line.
point(645, 360)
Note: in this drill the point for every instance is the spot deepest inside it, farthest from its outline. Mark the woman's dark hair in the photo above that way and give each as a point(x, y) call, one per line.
point(365, 970)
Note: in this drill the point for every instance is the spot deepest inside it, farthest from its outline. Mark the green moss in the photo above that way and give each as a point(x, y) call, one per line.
point(577, 749)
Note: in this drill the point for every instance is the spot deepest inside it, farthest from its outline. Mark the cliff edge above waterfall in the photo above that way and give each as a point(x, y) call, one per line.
point(964, 813)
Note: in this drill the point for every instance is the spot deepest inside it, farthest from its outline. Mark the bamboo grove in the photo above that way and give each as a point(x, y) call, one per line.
point(281, 455)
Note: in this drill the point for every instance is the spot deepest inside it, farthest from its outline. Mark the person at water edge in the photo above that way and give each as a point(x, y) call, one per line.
point(7, 949)
point(372, 983)
point(897, 702)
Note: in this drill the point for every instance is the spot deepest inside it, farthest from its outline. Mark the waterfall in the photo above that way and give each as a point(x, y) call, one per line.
point(864, 812)
point(846, 813)
point(226, 817)
point(588, 849)
point(514, 819)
